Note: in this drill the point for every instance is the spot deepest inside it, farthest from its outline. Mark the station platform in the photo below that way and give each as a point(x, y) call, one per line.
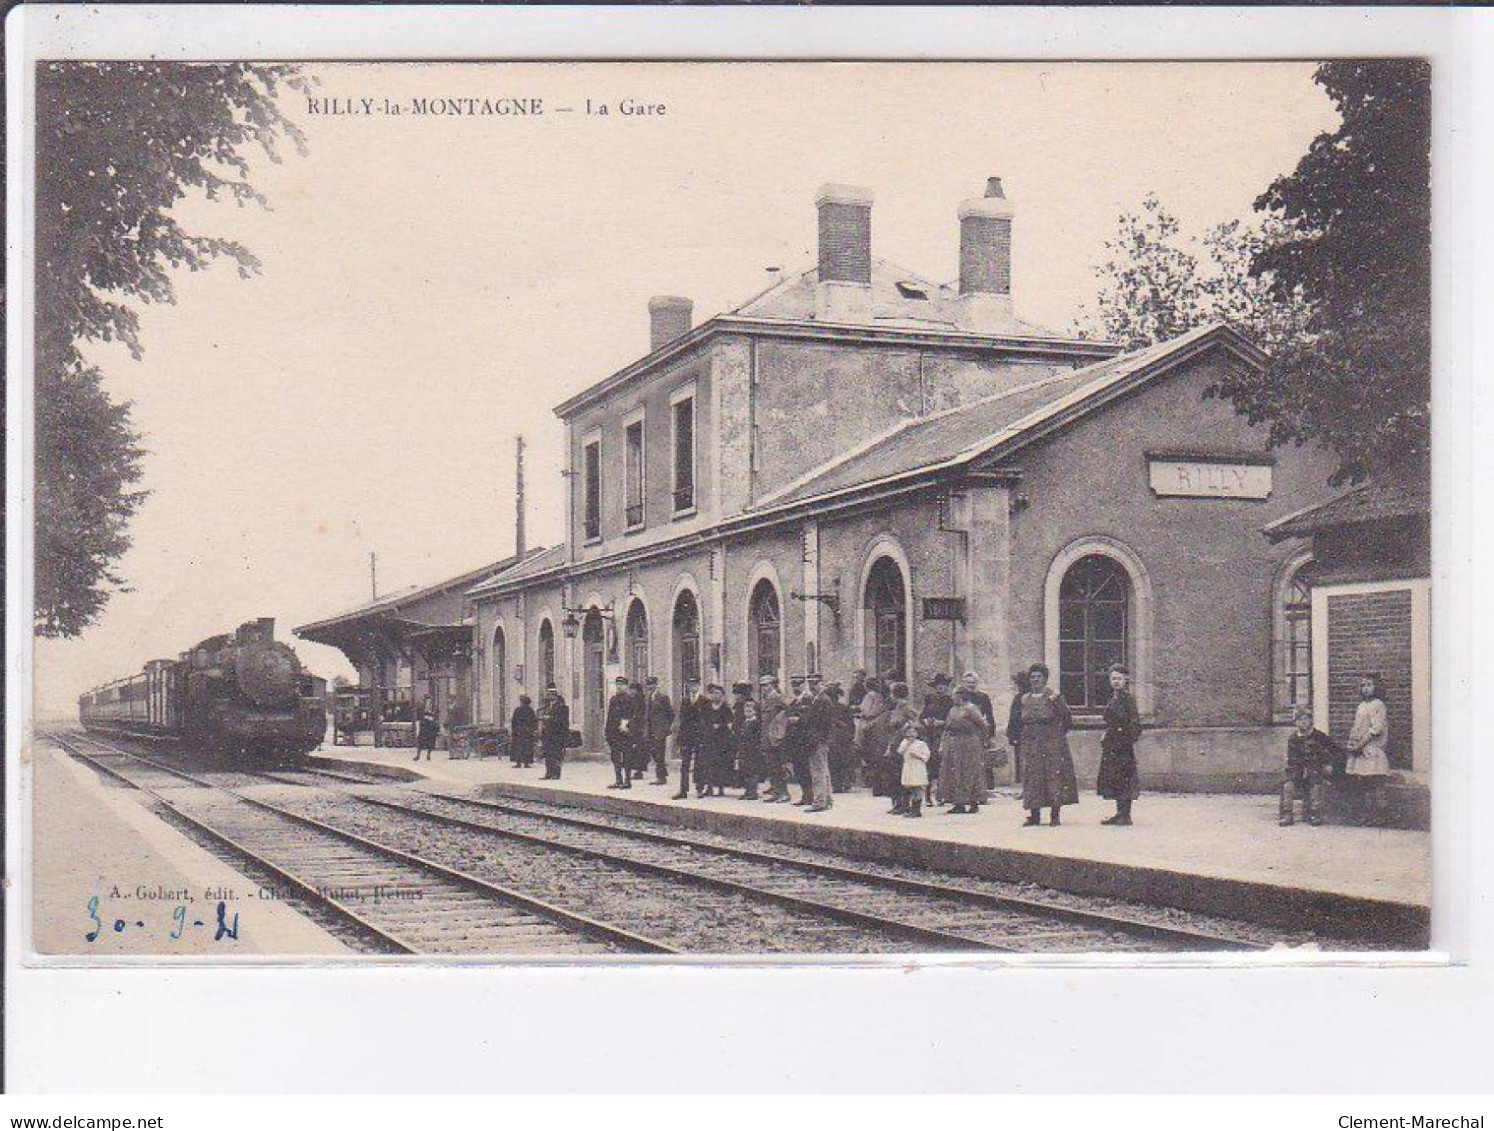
point(93, 840)
point(1220, 854)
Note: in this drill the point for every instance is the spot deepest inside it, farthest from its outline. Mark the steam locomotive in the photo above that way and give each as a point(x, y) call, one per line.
point(240, 697)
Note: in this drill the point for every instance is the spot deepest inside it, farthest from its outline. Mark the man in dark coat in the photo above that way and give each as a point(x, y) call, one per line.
point(523, 729)
point(842, 740)
point(982, 703)
point(639, 753)
point(819, 726)
point(773, 731)
point(687, 738)
point(658, 721)
point(1014, 722)
point(857, 691)
point(555, 730)
point(619, 733)
point(747, 756)
point(747, 740)
point(936, 707)
point(796, 738)
point(715, 741)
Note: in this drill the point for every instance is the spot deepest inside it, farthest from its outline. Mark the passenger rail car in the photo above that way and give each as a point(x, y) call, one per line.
point(242, 695)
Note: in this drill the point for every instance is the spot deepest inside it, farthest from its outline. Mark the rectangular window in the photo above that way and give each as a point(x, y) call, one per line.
point(634, 470)
point(592, 485)
point(684, 454)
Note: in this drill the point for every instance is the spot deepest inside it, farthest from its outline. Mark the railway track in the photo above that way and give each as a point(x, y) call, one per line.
point(392, 901)
point(681, 892)
point(943, 914)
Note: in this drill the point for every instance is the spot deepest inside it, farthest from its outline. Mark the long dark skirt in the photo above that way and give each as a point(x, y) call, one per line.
point(1118, 779)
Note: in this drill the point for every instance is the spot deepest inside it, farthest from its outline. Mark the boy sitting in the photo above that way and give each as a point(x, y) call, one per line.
point(1309, 752)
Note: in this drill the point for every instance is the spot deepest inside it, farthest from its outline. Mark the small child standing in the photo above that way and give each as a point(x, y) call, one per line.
point(1309, 752)
point(915, 777)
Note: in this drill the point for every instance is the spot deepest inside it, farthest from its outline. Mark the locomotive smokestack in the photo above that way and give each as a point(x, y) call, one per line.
point(519, 495)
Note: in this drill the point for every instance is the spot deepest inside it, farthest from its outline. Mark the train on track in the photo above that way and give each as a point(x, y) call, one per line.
point(241, 697)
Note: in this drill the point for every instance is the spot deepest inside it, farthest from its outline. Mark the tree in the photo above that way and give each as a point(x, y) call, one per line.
point(118, 145)
point(1354, 247)
point(1157, 283)
point(1334, 282)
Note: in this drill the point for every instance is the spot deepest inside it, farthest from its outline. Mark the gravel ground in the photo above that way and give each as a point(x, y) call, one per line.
point(1004, 928)
point(700, 920)
point(1162, 916)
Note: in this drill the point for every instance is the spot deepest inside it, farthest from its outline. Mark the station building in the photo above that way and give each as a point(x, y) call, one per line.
point(406, 646)
point(861, 468)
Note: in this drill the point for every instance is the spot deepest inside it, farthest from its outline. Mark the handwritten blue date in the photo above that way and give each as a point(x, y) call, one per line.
point(226, 926)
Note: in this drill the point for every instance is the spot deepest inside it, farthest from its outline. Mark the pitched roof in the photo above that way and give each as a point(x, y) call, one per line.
point(535, 562)
point(900, 299)
point(391, 602)
point(902, 302)
point(1379, 500)
point(961, 434)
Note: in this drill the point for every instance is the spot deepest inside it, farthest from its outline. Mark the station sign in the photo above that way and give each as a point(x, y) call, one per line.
point(1210, 479)
point(944, 608)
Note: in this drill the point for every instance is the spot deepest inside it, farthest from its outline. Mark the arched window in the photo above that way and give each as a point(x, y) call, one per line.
point(764, 630)
point(546, 655)
point(686, 629)
point(635, 636)
point(499, 658)
point(1094, 629)
point(886, 609)
point(1292, 639)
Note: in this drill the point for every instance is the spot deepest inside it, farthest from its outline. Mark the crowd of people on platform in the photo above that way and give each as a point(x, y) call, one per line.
point(821, 738)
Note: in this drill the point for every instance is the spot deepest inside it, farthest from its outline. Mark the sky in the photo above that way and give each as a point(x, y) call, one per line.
point(432, 286)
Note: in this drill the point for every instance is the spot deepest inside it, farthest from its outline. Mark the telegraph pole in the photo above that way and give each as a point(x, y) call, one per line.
point(373, 574)
point(519, 495)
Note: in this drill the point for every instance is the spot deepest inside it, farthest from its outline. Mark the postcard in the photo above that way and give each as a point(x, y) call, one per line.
point(772, 511)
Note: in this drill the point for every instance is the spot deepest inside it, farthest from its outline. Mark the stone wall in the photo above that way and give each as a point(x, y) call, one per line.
point(1209, 570)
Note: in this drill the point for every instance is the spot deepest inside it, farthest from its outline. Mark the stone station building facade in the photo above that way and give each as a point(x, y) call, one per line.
point(860, 468)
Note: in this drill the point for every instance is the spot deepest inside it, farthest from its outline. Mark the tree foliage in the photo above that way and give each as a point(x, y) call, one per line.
point(1156, 282)
point(118, 146)
point(1333, 282)
point(1355, 245)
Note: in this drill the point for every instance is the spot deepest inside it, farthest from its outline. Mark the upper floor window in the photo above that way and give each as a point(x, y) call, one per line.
point(633, 436)
point(684, 450)
point(591, 478)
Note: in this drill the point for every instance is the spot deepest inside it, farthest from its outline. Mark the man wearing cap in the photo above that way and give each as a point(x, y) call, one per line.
point(619, 733)
point(555, 731)
point(687, 736)
point(936, 707)
point(746, 737)
point(842, 739)
point(658, 721)
point(715, 741)
point(982, 703)
point(818, 725)
point(796, 741)
point(773, 713)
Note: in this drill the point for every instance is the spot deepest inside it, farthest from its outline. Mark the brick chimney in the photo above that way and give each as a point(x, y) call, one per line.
point(843, 293)
point(668, 318)
point(986, 256)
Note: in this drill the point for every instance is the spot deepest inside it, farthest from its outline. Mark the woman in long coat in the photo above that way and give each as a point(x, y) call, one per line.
point(962, 756)
point(1048, 780)
point(1118, 780)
